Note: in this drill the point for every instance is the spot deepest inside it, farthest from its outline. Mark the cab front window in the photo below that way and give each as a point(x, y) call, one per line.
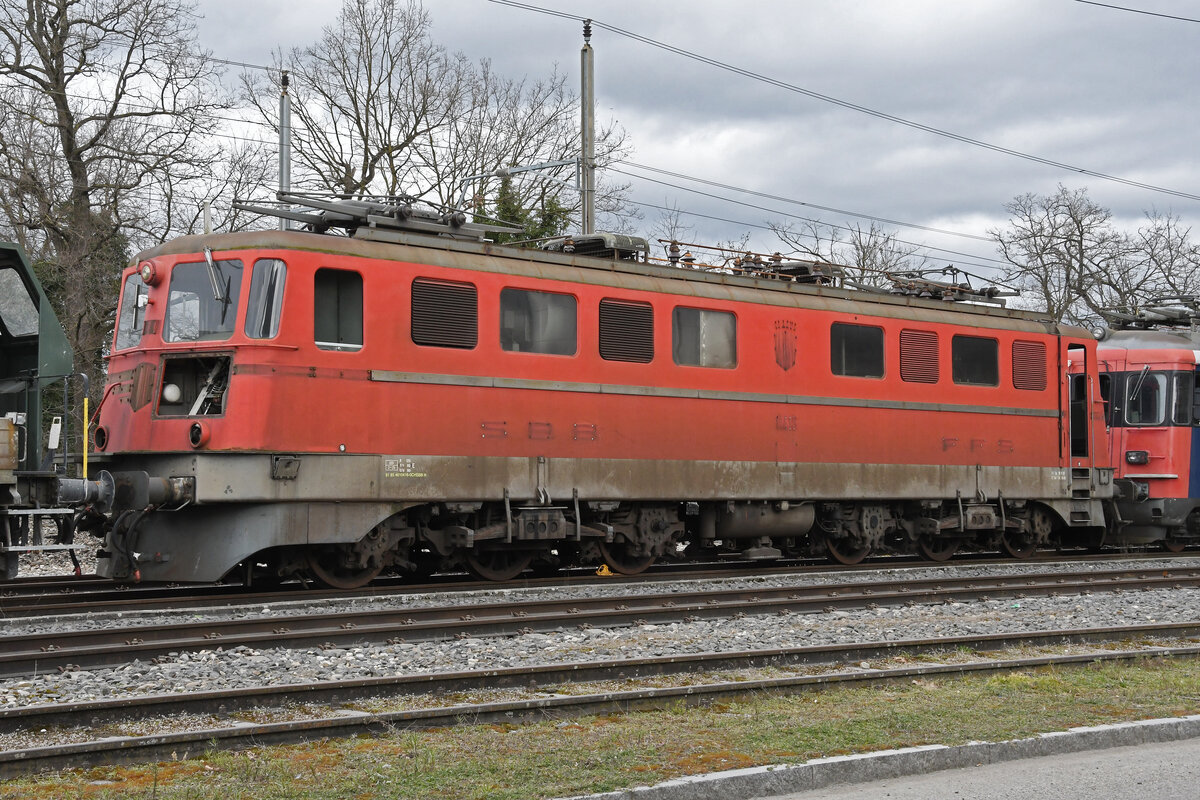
point(203, 301)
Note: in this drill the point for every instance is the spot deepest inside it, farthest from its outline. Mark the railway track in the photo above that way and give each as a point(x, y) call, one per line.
point(43, 651)
point(535, 694)
point(68, 594)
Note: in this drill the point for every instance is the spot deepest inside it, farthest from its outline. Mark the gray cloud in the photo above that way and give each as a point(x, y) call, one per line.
point(1096, 88)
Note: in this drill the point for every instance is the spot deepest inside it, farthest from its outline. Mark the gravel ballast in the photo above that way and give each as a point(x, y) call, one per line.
point(244, 667)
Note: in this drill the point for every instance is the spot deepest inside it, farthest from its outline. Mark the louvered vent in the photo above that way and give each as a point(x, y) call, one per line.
point(444, 314)
point(1029, 366)
point(626, 331)
point(919, 356)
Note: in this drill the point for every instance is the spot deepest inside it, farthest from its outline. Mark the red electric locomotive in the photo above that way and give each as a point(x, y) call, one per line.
point(1148, 380)
point(412, 397)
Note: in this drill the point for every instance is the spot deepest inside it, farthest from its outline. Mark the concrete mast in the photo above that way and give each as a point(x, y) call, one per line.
point(588, 127)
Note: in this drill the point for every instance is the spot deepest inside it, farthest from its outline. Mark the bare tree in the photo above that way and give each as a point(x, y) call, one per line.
point(1163, 248)
point(870, 253)
point(363, 96)
point(670, 224)
point(106, 113)
point(380, 108)
point(1067, 255)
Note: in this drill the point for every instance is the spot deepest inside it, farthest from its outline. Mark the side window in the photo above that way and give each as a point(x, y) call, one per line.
point(129, 316)
point(266, 298)
point(919, 356)
point(338, 309)
point(1181, 398)
point(704, 338)
point(1146, 399)
point(975, 361)
point(1029, 366)
point(1196, 403)
point(856, 350)
point(538, 322)
point(1106, 384)
point(18, 314)
point(445, 314)
point(626, 331)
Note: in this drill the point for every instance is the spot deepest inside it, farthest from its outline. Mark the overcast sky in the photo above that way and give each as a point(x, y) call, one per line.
point(1091, 87)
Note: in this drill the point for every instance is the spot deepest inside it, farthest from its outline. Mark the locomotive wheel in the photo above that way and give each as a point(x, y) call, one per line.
point(498, 565)
point(329, 567)
point(620, 559)
point(1017, 544)
point(843, 551)
point(935, 548)
point(1173, 545)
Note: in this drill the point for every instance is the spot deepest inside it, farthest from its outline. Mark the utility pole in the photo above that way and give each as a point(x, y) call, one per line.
point(588, 127)
point(285, 142)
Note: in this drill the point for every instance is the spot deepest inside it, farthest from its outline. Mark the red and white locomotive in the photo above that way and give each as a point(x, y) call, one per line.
point(1148, 370)
point(412, 397)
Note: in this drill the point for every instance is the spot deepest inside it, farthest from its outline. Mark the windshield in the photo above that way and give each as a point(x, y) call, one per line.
point(203, 301)
point(18, 314)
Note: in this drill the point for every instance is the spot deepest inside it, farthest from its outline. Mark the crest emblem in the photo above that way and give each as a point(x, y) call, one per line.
point(785, 343)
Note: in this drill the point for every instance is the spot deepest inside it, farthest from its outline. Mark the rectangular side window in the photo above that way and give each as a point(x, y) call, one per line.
point(1029, 366)
point(919, 356)
point(1106, 397)
point(975, 361)
point(129, 315)
point(704, 338)
point(1181, 406)
point(18, 314)
point(265, 305)
point(338, 309)
point(445, 314)
point(856, 350)
point(626, 331)
point(538, 322)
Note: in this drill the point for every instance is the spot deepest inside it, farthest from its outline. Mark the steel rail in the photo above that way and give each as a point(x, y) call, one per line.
point(343, 722)
point(24, 654)
point(67, 594)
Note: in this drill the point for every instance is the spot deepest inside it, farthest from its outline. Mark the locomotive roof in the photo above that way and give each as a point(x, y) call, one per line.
point(1153, 339)
point(488, 256)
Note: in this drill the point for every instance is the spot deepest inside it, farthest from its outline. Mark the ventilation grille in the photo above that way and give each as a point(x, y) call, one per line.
point(444, 314)
point(919, 356)
point(1029, 366)
point(626, 331)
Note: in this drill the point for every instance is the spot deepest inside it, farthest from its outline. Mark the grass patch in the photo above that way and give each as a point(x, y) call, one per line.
point(600, 753)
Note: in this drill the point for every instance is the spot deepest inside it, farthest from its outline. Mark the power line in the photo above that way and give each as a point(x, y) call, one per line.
point(1137, 11)
point(853, 106)
point(795, 216)
point(758, 226)
point(793, 201)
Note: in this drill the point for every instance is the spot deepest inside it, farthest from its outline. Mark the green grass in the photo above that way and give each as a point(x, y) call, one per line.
point(574, 756)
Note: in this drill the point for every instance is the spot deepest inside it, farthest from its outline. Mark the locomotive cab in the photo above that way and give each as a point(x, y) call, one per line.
point(1149, 384)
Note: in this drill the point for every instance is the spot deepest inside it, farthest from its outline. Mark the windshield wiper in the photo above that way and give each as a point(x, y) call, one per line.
point(215, 278)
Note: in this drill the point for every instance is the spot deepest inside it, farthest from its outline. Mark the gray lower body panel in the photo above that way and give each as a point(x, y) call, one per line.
point(247, 502)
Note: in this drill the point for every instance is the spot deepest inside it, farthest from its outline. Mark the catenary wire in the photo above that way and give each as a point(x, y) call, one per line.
point(853, 106)
point(1137, 11)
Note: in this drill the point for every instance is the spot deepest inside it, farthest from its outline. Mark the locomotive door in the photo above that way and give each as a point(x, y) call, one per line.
point(1080, 404)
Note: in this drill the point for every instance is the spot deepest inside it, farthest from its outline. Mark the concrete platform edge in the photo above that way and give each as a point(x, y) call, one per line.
point(759, 782)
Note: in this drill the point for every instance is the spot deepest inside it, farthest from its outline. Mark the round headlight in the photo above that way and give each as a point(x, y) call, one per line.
point(149, 273)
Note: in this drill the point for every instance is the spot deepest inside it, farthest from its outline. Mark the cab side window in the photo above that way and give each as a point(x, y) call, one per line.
point(338, 310)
